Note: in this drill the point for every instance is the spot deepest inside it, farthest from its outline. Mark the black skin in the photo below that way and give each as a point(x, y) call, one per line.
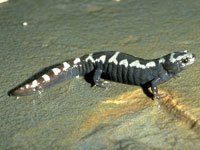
point(149, 77)
point(153, 84)
point(146, 77)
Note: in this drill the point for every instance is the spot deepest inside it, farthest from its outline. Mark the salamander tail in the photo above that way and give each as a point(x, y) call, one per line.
point(46, 78)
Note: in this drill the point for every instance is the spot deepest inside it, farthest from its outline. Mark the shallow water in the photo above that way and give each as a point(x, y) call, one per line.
point(75, 116)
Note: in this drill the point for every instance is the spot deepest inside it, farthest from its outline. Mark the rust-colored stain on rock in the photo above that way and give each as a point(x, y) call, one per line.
point(114, 108)
point(133, 101)
point(173, 106)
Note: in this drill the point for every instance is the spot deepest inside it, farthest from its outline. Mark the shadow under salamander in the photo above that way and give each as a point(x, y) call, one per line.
point(89, 78)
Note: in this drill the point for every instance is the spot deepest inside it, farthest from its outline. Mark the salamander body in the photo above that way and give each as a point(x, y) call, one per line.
point(112, 65)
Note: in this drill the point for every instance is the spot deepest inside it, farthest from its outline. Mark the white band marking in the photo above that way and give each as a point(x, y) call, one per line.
point(27, 86)
point(90, 58)
point(102, 59)
point(46, 78)
point(34, 83)
point(56, 71)
point(66, 66)
point(150, 64)
point(138, 65)
point(161, 60)
point(124, 62)
point(114, 58)
point(77, 60)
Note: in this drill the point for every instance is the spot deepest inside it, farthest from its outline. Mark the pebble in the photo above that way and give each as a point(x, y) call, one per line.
point(25, 23)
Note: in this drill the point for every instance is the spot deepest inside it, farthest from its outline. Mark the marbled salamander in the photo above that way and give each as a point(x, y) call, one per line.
point(114, 66)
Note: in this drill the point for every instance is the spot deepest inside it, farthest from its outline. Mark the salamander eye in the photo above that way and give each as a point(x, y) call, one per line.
point(185, 60)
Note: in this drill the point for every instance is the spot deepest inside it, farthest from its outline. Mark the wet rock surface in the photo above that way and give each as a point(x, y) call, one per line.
point(74, 115)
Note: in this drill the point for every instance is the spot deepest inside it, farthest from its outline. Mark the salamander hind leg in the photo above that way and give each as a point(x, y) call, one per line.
point(97, 78)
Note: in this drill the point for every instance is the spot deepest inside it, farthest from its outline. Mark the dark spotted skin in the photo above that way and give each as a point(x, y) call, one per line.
point(111, 65)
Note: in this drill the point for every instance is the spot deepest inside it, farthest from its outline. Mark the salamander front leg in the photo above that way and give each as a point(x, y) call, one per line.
point(154, 87)
point(158, 81)
point(155, 83)
point(97, 78)
point(155, 92)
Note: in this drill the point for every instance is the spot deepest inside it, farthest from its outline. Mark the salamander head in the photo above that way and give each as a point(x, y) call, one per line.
point(177, 61)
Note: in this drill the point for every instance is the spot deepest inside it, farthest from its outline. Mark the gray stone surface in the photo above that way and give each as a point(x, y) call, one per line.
point(73, 115)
